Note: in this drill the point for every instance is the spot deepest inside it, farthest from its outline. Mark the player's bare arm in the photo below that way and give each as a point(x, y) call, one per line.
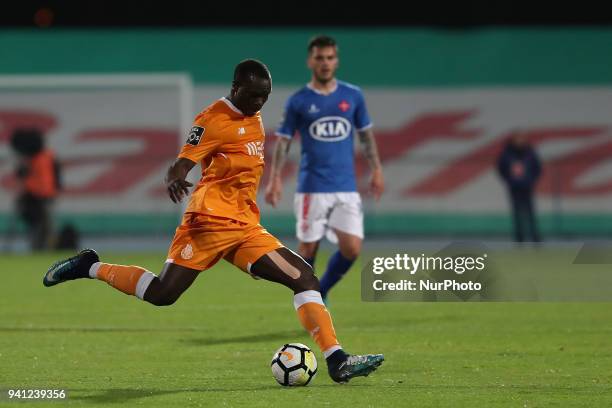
point(370, 151)
point(176, 184)
point(274, 188)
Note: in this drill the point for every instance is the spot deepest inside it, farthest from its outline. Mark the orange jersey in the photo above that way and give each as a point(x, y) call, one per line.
point(229, 147)
point(41, 180)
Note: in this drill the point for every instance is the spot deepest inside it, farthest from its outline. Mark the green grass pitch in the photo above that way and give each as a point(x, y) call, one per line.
point(213, 347)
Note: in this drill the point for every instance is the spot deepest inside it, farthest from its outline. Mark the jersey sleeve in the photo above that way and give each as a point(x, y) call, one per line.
point(288, 124)
point(202, 141)
point(362, 117)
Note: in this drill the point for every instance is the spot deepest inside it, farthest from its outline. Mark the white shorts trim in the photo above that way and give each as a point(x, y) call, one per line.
point(318, 214)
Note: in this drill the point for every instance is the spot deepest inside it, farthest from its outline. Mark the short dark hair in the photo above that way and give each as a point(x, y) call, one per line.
point(249, 69)
point(321, 41)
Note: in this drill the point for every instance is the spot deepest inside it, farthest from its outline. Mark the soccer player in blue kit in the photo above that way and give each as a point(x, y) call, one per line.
point(327, 113)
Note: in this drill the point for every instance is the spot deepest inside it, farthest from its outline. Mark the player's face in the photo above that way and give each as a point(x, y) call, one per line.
point(251, 96)
point(323, 62)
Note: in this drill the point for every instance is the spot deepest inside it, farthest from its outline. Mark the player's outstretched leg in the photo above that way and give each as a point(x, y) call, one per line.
point(287, 268)
point(72, 268)
point(132, 280)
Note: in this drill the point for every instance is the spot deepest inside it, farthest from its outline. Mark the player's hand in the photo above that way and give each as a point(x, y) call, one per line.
point(177, 189)
point(377, 183)
point(274, 191)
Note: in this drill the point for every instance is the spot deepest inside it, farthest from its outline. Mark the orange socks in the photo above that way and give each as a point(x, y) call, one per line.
point(316, 319)
point(132, 280)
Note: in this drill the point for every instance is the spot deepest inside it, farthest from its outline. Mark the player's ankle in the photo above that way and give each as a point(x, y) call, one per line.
point(88, 258)
point(337, 357)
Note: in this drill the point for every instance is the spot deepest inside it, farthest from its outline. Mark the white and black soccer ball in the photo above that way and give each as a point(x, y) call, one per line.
point(294, 364)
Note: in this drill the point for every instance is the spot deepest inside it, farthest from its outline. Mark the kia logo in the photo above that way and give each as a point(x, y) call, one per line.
point(330, 129)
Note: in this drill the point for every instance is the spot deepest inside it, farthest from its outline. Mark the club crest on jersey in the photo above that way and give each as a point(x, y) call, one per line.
point(187, 252)
point(195, 135)
point(330, 129)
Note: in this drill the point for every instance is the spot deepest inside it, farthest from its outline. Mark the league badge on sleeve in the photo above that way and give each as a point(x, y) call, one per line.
point(195, 135)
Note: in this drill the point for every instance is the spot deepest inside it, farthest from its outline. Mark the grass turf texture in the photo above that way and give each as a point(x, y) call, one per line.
point(213, 347)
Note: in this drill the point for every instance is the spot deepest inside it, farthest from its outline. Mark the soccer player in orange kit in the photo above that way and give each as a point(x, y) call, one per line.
point(222, 221)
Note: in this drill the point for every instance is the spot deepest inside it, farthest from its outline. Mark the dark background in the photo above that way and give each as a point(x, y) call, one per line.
point(188, 14)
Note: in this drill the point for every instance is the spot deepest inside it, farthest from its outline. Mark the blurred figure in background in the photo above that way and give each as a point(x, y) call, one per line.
point(519, 167)
point(328, 114)
point(38, 176)
point(68, 238)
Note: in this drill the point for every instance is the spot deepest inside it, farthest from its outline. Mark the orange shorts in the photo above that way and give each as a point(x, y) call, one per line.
point(202, 240)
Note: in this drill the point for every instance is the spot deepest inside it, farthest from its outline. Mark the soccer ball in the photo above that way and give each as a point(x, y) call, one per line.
point(294, 364)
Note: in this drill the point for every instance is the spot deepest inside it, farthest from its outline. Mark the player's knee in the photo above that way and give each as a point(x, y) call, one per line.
point(307, 281)
point(351, 251)
point(164, 298)
point(307, 249)
point(162, 301)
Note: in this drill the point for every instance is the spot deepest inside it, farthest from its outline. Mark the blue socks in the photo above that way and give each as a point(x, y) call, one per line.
point(336, 268)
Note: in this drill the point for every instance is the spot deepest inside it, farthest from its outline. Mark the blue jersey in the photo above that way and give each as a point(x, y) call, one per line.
point(326, 124)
